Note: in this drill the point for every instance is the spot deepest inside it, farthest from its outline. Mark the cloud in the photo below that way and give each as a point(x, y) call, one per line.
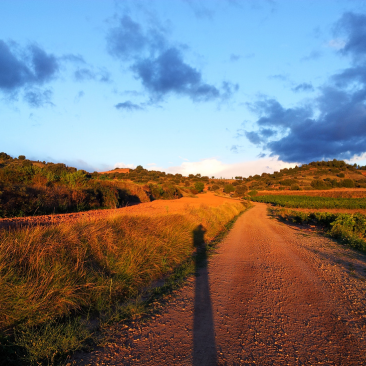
point(25, 67)
point(337, 44)
point(339, 130)
point(278, 77)
point(87, 73)
point(334, 124)
point(235, 148)
point(303, 87)
point(160, 65)
point(37, 98)
point(215, 167)
point(200, 10)
point(313, 55)
point(129, 106)
point(234, 57)
point(353, 26)
point(123, 165)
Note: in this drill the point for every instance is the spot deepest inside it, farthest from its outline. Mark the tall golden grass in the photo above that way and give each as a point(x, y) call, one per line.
point(47, 272)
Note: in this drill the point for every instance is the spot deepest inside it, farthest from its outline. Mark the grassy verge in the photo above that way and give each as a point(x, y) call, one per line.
point(349, 229)
point(57, 281)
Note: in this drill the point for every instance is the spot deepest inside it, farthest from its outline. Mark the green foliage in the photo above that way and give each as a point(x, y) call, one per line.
point(320, 184)
point(348, 183)
point(252, 193)
point(199, 186)
point(228, 188)
point(288, 182)
point(349, 228)
point(50, 342)
point(241, 190)
point(311, 202)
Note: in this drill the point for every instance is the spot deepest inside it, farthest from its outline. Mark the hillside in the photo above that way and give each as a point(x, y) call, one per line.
point(31, 188)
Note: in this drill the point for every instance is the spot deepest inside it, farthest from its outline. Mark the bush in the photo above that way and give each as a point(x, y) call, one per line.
point(295, 187)
point(199, 186)
point(228, 188)
point(253, 193)
point(215, 187)
point(320, 184)
point(348, 183)
point(241, 190)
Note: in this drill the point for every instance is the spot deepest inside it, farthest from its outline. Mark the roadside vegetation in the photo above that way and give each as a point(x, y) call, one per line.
point(61, 284)
point(350, 229)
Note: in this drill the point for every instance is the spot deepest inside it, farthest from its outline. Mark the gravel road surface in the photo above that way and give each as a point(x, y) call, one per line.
point(273, 294)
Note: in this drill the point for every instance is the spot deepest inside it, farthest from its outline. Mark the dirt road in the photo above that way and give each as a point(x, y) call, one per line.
point(272, 295)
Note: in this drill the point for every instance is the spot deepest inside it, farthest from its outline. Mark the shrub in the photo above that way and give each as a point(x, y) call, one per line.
point(320, 184)
point(228, 188)
point(349, 183)
point(199, 186)
point(241, 190)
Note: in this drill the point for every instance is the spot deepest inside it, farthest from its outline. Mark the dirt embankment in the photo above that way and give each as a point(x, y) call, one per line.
point(149, 208)
point(272, 295)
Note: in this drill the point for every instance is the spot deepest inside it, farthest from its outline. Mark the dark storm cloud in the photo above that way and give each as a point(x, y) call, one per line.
point(129, 106)
point(33, 66)
point(159, 65)
point(303, 87)
point(334, 125)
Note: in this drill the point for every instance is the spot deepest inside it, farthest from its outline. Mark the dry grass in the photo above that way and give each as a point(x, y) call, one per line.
point(50, 272)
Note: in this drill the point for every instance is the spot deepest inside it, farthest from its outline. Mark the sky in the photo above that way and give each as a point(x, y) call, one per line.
point(217, 87)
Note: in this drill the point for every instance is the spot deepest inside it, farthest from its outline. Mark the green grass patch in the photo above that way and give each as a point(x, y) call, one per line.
point(311, 202)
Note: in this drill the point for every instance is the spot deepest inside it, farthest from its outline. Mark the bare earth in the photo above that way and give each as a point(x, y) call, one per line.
point(272, 295)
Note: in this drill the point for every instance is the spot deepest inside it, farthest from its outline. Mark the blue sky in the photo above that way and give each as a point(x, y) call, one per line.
point(220, 87)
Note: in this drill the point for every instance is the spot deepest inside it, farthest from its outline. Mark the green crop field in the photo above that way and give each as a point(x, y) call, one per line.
point(311, 202)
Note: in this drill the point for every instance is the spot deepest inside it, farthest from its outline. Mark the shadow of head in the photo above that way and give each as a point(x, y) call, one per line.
point(199, 236)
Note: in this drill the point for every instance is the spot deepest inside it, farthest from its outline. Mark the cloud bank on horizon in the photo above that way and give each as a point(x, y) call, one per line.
point(154, 81)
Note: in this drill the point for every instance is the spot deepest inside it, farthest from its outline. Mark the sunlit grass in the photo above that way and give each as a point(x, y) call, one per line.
point(54, 272)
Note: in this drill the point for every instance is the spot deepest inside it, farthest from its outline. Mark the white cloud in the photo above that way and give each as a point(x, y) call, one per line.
point(336, 43)
point(123, 165)
point(215, 167)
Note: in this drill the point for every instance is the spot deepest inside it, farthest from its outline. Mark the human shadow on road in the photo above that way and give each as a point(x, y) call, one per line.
point(204, 347)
